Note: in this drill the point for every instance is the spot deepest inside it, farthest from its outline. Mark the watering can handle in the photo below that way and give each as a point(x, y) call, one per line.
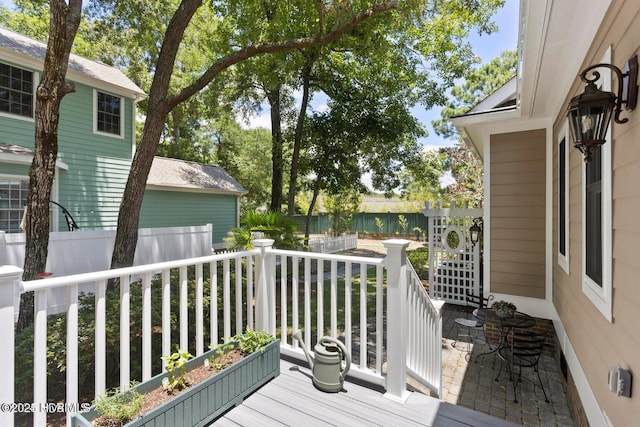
point(343, 350)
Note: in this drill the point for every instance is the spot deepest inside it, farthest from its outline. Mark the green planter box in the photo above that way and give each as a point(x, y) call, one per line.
point(201, 404)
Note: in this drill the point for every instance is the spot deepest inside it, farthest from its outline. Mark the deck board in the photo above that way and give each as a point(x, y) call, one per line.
point(291, 399)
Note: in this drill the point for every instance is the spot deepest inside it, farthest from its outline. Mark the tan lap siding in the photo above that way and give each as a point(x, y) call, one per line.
point(518, 213)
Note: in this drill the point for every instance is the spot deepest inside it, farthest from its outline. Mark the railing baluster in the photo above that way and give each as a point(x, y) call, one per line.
point(213, 303)
point(379, 316)
point(295, 313)
point(320, 298)
point(166, 315)
point(363, 316)
point(72, 343)
point(40, 356)
point(307, 301)
point(334, 298)
point(348, 268)
point(100, 337)
point(226, 297)
point(184, 309)
point(238, 273)
point(125, 300)
point(250, 293)
point(146, 326)
point(199, 310)
point(283, 299)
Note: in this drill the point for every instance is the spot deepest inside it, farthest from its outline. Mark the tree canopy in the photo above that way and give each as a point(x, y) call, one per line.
point(423, 180)
point(189, 56)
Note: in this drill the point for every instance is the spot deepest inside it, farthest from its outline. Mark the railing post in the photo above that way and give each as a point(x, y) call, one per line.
point(9, 279)
point(396, 264)
point(262, 282)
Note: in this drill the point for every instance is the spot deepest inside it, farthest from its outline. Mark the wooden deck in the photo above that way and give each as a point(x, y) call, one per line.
point(291, 399)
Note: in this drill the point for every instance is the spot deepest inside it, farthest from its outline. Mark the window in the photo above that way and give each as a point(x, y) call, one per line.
point(563, 199)
point(109, 109)
point(13, 198)
point(596, 219)
point(16, 91)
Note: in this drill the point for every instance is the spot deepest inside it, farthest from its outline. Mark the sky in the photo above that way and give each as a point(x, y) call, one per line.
point(486, 47)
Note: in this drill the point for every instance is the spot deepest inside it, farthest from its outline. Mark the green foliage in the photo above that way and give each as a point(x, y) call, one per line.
point(252, 341)
point(177, 368)
point(271, 225)
point(379, 224)
point(403, 223)
point(420, 260)
point(341, 207)
point(220, 358)
point(119, 407)
point(479, 83)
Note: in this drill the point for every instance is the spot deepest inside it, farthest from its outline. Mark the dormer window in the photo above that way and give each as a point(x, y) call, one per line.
point(16, 91)
point(109, 114)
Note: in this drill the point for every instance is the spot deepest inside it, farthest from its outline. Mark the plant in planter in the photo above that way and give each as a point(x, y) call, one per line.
point(214, 395)
point(119, 407)
point(504, 308)
point(176, 367)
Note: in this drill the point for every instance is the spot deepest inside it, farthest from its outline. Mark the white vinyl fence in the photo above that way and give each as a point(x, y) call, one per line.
point(326, 244)
point(88, 251)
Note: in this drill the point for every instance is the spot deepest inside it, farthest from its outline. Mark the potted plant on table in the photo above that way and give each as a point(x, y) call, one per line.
point(504, 308)
point(228, 381)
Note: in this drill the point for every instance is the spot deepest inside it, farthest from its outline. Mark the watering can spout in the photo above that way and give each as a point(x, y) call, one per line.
point(298, 336)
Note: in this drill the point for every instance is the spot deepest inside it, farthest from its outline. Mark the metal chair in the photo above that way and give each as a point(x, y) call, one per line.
point(470, 324)
point(525, 352)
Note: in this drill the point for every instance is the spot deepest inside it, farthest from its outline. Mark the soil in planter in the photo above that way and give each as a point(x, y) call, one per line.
point(159, 395)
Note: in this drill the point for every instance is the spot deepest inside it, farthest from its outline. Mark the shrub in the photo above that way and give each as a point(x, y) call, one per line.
point(420, 260)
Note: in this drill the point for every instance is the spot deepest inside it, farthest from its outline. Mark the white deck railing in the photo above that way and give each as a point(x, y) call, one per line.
point(345, 297)
point(327, 244)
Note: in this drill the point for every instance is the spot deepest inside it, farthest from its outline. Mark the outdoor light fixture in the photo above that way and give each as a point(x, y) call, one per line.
point(590, 112)
point(474, 231)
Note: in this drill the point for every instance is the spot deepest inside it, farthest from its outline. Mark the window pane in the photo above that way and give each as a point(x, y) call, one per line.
point(16, 91)
point(593, 216)
point(562, 199)
point(13, 198)
point(108, 116)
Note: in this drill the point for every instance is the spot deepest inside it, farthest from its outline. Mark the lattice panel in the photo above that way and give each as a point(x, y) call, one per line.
point(454, 264)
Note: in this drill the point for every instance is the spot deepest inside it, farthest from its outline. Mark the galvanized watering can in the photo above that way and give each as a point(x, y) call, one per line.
point(328, 372)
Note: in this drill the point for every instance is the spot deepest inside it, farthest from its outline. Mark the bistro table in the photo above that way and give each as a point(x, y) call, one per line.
point(504, 324)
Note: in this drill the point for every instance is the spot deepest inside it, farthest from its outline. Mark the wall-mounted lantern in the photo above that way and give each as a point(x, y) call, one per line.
point(590, 112)
point(474, 231)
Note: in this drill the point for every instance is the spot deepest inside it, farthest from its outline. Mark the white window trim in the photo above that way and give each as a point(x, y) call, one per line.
point(95, 115)
point(601, 297)
point(563, 259)
point(36, 82)
point(55, 219)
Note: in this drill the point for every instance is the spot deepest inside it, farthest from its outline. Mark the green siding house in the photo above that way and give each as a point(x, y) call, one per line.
point(182, 193)
point(96, 145)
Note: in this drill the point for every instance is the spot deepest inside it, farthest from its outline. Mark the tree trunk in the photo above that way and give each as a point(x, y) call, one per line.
point(297, 141)
point(277, 161)
point(64, 22)
point(316, 193)
point(129, 216)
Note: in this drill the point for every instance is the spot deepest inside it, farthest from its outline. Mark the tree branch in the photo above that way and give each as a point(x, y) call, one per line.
point(258, 49)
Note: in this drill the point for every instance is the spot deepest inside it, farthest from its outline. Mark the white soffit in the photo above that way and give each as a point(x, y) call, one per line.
point(556, 37)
